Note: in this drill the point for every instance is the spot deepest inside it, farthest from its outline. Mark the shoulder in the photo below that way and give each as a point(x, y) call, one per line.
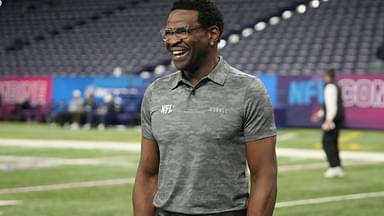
point(164, 82)
point(243, 79)
point(331, 87)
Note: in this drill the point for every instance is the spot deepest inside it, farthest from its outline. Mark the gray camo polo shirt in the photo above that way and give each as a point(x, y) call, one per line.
point(201, 133)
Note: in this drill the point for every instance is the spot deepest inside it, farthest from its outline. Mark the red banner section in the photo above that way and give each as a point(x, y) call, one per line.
point(15, 90)
point(364, 100)
point(363, 96)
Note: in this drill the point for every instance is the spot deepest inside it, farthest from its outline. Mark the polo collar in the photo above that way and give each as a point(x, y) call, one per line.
point(219, 72)
point(177, 80)
point(217, 75)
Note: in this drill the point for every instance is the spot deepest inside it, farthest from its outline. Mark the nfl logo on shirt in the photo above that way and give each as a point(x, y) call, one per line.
point(166, 109)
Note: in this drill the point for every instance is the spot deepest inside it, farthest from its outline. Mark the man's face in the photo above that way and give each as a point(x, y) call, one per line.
point(187, 53)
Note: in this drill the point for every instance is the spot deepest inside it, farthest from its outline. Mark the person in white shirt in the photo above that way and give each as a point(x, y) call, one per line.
point(332, 116)
point(76, 109)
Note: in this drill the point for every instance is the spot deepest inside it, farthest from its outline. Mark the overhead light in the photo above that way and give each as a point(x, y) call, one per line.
point(287, 14)
point(159, 69)
point(145, 75)
point(301, 8)
point(117, 71)
point(315, 3)
point(234, 38)
point(260, 26)
point(247, 32)
point(274, 20)
point(222, 44)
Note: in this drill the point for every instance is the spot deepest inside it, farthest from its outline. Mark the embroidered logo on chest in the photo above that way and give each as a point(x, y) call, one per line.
point(218, 109)
point(168, 108)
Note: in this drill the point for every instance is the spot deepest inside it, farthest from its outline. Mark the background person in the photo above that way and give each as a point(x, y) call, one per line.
point(90, 108)
point(332, 116)
point(76, 109)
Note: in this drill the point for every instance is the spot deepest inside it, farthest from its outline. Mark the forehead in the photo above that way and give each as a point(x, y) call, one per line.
point(180, 18)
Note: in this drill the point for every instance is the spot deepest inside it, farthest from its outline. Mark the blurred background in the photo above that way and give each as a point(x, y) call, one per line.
point(73, 73)
point(108, 52)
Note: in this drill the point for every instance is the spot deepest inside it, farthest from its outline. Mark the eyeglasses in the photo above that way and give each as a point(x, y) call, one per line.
point(180, 33)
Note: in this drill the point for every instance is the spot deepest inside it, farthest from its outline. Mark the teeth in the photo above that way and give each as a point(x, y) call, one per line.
point(177, 52)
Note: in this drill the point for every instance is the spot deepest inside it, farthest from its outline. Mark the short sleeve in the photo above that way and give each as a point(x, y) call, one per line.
point(146, 122)
point(259, 120)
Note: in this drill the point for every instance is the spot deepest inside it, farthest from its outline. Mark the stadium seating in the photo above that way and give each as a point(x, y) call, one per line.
point(83, 37)
point(88, 40)
point(341, 34)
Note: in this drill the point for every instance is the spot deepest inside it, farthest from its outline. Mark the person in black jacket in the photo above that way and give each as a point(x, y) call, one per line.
point(332, 116)
point(377, 66)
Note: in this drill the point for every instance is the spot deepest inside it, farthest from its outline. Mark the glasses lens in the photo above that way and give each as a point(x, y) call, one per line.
point(180, 33)
point(164, 33)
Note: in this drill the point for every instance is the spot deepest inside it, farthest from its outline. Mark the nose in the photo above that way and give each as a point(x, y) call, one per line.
point(173, 39)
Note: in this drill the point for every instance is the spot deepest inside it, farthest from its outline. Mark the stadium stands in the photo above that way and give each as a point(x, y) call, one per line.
point(341, 34)
point(78, 37)
point(94, 39)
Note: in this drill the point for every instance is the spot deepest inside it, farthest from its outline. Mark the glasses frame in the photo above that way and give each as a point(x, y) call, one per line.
point(179, 33)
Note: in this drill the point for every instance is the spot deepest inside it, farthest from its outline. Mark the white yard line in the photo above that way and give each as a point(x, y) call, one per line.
point(9, 202)
point(53, 187)
point(329, 199)
point(319, 154)
point(286, 136)
point(60, 144)
point(121, 146)
point(55, 161)
point(323, 165)
point(300, 167)
point(6, 163)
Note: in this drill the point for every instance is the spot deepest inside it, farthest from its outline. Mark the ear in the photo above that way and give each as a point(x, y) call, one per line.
point(214, 34)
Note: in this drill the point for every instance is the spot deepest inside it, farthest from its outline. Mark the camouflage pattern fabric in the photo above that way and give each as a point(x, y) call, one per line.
point(201, 133)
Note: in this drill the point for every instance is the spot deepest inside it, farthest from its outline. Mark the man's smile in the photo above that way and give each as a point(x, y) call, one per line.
point(179, 53)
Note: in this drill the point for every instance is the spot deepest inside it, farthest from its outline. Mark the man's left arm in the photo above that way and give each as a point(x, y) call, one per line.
point(261, 157)
point(260, 140)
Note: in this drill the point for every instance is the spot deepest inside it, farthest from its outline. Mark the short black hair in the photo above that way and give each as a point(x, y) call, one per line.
point(209, 14)
point(331, 73)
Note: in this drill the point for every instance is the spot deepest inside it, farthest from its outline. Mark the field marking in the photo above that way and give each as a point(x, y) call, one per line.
point(121, 146)
point(345, 138)
point(349, 136)
point(286, 136)
point(10, 163)
point(74, 185)
point(9, 202)
point(41, 162)
point(323, 165)
point(300, 167)
point(71, 144)
point(329, 199)
point(319, 154)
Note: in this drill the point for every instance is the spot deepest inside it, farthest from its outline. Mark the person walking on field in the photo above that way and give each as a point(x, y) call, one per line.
point(332, 116)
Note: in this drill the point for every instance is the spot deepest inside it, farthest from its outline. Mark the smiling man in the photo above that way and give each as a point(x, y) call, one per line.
point(201, 125)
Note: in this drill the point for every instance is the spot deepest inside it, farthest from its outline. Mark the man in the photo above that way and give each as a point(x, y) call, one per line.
point(201, 125)
point(76, 109)
point(333, 116)
point(378, 64)
point(90, 107)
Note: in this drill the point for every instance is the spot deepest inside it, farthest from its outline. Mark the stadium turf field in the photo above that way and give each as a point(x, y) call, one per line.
point(40, 176)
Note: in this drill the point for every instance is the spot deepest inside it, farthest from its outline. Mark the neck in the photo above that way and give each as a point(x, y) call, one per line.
point(203, 70)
